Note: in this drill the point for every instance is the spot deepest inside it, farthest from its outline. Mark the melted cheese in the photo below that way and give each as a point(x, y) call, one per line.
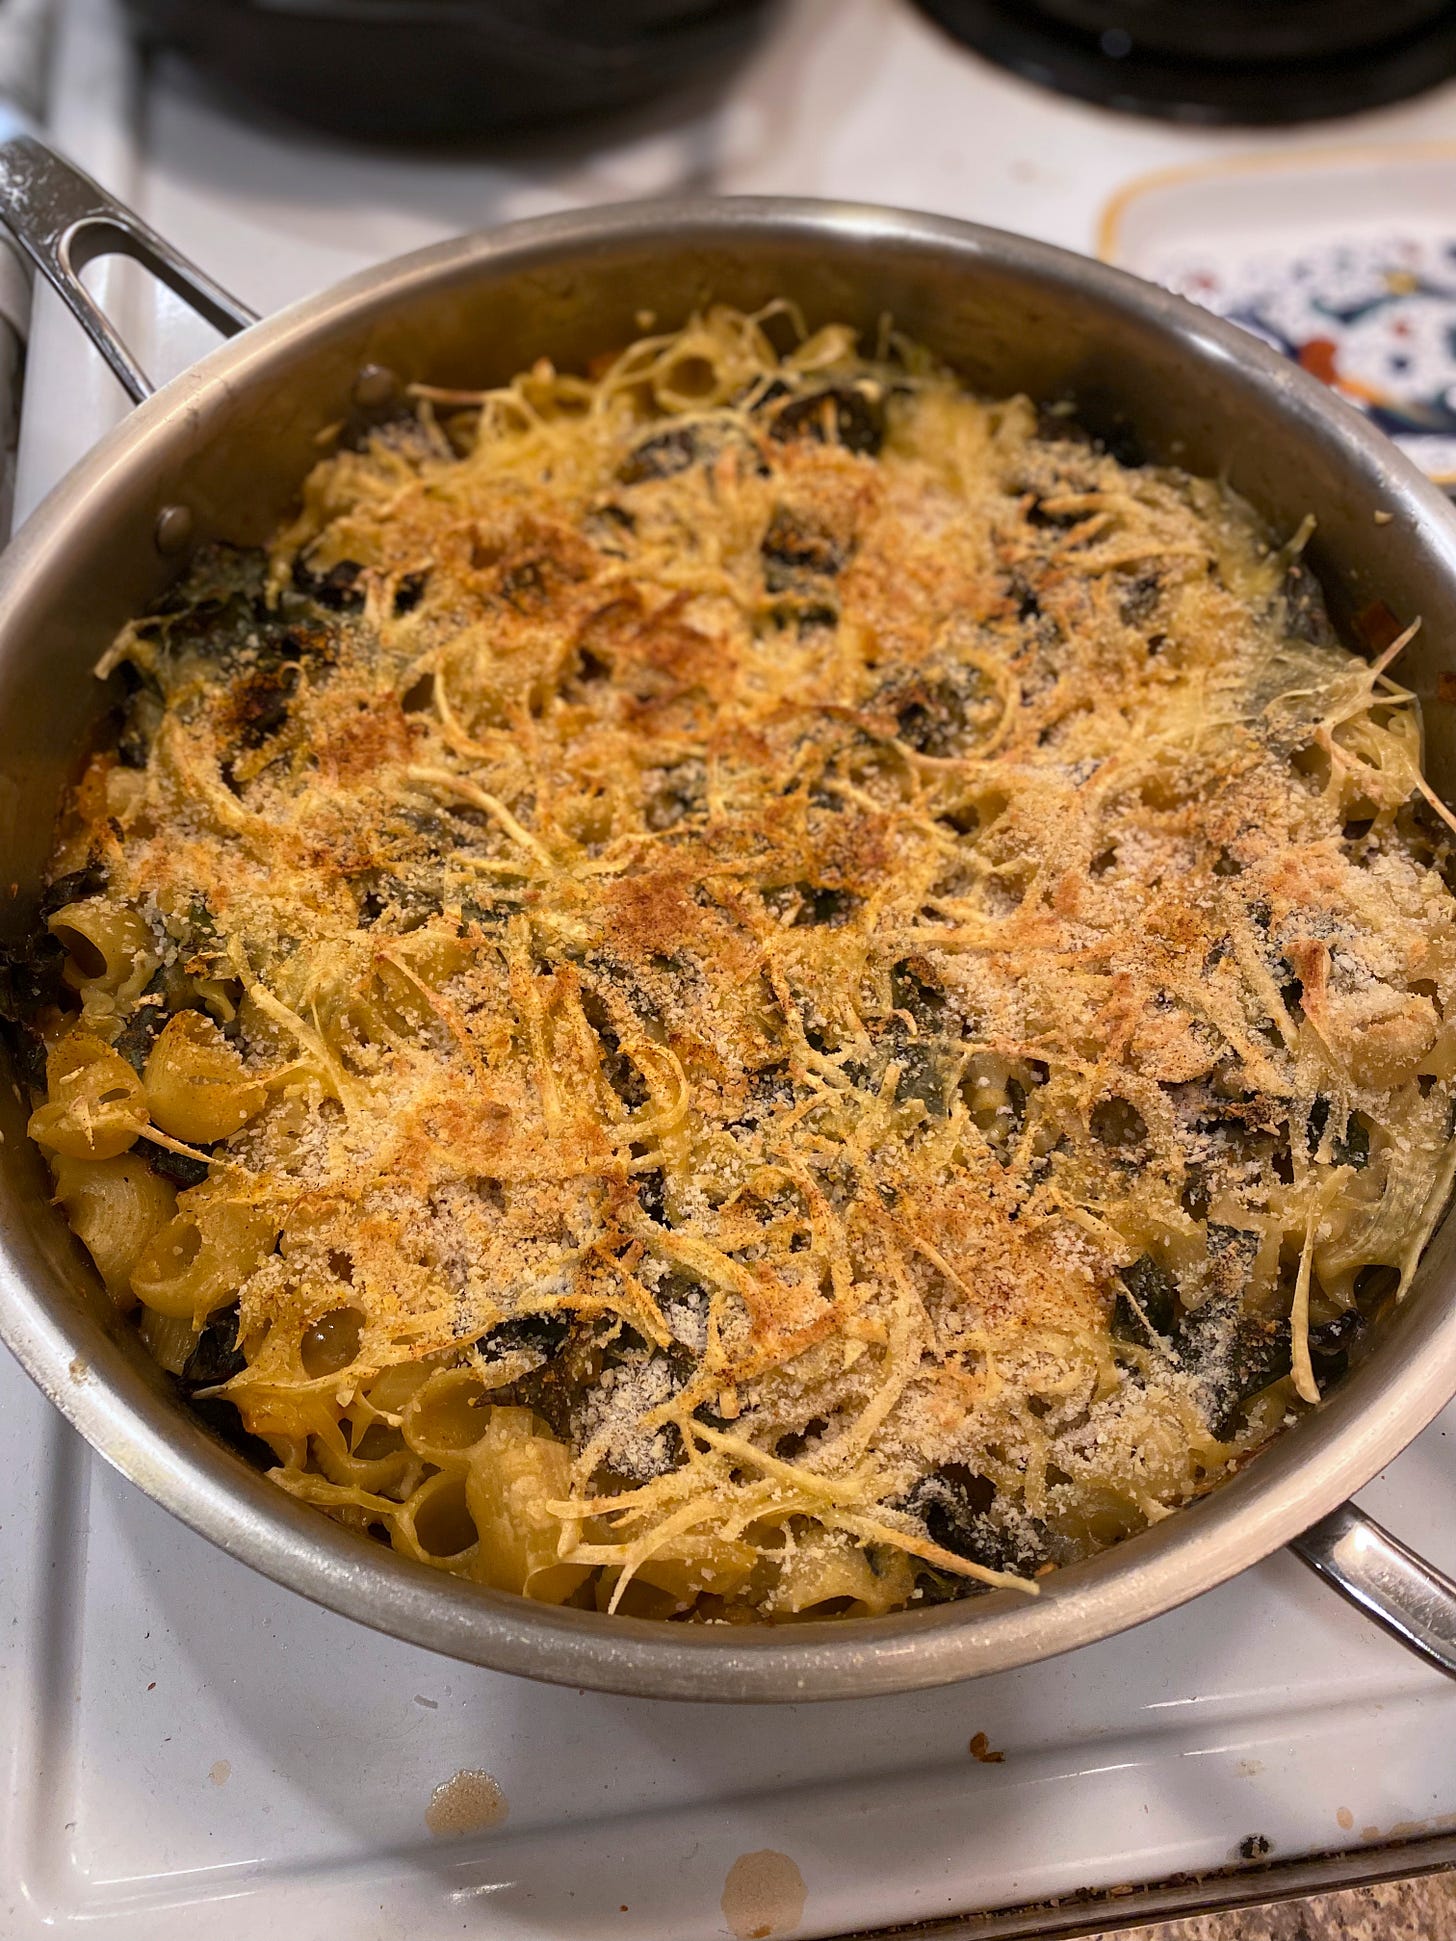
point(838, 891)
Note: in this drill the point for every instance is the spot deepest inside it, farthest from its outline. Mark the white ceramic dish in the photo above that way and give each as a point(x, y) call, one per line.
point(1344, 259)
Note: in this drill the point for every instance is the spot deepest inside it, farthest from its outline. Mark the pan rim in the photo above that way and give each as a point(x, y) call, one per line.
point(1304, 1474)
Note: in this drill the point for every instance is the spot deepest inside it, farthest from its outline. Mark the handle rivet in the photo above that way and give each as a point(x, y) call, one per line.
point(173, 528)
point(376, 384)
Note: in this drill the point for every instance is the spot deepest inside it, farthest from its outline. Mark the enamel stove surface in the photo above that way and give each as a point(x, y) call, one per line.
point(193, 1750)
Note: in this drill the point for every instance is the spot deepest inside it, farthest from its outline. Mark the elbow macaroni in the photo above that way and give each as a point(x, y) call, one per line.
point(115, 1207)
point(95, 1106)
point(195, 1084)
point(198, 1260)
point(110, 950)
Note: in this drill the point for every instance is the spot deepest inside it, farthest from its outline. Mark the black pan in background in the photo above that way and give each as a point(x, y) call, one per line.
point(1249, 31)
point(427, 71)
point(1245, 62)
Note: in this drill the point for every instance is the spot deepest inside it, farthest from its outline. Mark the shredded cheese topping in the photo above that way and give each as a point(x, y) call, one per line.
point(830, 996)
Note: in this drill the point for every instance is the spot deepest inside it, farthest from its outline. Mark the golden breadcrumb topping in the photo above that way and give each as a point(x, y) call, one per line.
point(750, 985)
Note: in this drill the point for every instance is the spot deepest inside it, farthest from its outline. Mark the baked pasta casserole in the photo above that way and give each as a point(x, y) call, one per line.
point(748, 986)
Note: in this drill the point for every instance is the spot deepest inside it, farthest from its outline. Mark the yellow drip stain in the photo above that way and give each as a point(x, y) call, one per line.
point(1346, 1818)
point(467, 1803)
point(763, 1895)
point(1412, 1829)
point(220, 1771)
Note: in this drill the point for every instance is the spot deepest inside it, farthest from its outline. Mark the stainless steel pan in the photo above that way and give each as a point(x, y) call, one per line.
point(221, 451)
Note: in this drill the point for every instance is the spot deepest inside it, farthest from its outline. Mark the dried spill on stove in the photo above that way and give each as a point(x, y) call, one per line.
point(467, 1802)
point(763, 1895)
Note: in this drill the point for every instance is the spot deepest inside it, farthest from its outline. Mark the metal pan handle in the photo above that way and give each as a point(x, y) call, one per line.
point(62, 220)
point(1413, 1600)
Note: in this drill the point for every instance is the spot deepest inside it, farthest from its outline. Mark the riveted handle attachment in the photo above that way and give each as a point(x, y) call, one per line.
point(62, 220)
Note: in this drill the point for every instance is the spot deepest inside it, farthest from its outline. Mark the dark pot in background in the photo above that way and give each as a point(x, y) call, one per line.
point(1249, 31)
point(426, 71)
point(1249, 61)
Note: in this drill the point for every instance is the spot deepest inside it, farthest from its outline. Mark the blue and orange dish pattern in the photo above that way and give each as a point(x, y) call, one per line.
point(1374, 319)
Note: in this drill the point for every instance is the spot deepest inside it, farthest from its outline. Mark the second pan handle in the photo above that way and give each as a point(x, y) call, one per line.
point(62, 220)
point(1413, 1600)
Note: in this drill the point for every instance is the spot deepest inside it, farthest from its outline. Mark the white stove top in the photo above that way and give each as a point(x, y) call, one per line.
point(192, 1749)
